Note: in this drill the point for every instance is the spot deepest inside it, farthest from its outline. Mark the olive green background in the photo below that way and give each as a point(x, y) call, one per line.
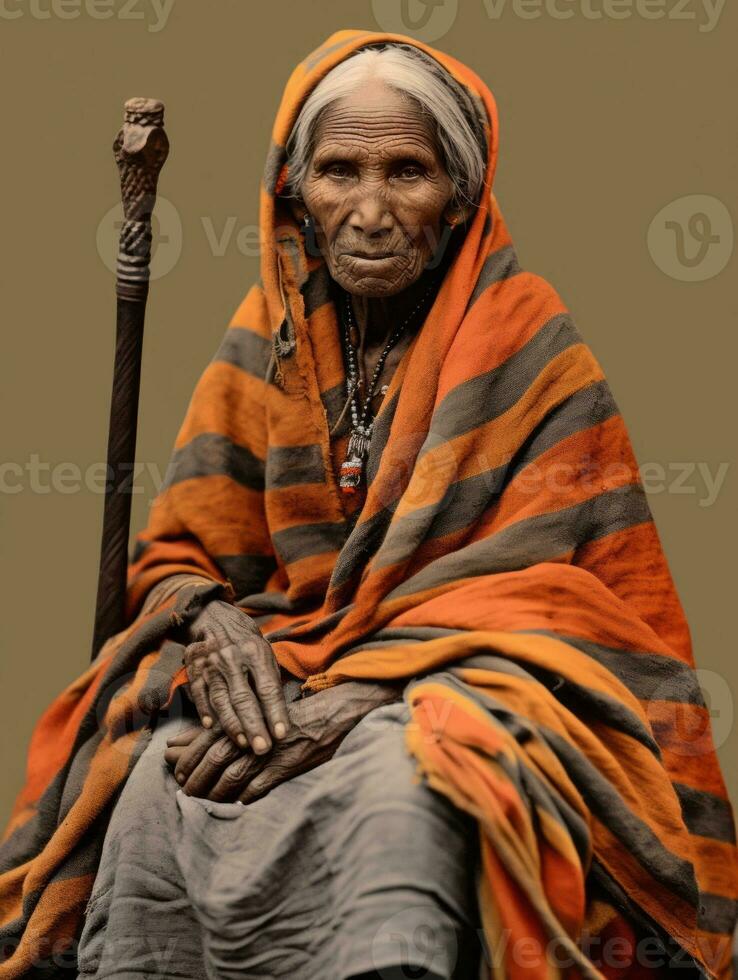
point(603, 123)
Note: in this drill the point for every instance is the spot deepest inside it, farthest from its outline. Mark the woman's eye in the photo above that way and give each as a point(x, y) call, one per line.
point(337, 170)
point(409, 171)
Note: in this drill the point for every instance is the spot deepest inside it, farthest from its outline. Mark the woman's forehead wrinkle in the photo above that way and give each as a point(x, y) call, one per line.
point(370, 129)
point(374, 117)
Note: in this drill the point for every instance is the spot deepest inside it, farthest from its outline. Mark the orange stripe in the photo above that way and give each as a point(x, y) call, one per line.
point(246, 394)
point(513, 315)
point(493, 444)
point(631, 563)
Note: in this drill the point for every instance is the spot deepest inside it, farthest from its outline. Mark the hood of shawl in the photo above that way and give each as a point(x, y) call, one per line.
point(281, 240)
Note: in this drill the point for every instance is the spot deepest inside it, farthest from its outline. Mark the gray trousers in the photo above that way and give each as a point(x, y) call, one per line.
point(352, 867)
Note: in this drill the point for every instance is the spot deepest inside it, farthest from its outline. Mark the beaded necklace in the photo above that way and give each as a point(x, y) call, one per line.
point(362, 425)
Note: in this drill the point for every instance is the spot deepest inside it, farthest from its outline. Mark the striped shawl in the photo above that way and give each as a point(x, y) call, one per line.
point(504, 562)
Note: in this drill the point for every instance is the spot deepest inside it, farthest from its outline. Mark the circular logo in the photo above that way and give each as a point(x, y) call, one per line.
point(166, 230)
point(692, 238)
point(412, 940)
point(427, 20)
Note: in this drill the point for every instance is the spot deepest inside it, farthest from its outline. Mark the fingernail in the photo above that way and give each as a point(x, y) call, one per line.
point(241, 739)
point(259, 744)
point(180, 778)
point(207, 721)
point(279, 729)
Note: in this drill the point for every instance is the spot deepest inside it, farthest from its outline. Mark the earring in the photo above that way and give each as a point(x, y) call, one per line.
point(308, 232)
point(452, 220)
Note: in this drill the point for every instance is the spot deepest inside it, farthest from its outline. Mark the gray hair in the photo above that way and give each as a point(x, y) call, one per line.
point(458, 130)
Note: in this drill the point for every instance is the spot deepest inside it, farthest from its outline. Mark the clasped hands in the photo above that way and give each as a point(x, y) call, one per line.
point(250, 739)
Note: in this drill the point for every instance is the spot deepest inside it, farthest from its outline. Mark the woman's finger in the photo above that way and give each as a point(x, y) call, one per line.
point(195, 658)
point(210, 768)
point(185, 736)
point(234, 778)
point(172, 754)
point(198, 650)
point(191, 754)
point(285, 762)
point(268, 683)
point(201, 699)
point(220, 699)
point(244, 701)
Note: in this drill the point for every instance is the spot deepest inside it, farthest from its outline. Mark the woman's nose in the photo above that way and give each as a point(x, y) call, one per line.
point(370, 216)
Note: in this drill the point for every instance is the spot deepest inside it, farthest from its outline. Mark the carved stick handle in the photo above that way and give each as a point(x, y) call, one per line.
point(140, 149)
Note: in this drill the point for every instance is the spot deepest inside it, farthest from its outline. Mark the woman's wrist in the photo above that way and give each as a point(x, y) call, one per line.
point(169, 586)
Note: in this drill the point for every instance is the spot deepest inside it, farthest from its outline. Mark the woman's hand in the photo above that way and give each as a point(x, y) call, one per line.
point(234, 677)
point(207, 764)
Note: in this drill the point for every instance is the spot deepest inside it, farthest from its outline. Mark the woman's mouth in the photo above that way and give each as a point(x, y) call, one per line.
point(375, 260)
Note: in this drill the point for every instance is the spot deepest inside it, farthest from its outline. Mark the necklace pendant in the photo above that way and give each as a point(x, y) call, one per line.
point(352, 470)
point(358, 444)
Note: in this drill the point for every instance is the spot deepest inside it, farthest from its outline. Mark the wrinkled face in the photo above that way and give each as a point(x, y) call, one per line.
point(376, 188)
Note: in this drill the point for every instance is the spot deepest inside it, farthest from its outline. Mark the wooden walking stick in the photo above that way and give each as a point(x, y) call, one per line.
point(140, 149)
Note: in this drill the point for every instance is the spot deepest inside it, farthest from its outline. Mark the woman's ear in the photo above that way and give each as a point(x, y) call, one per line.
point(455, 215)
point(297, 206)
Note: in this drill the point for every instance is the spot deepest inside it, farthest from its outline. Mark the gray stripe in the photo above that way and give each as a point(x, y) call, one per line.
point(411, 634)
point(139, 550)
point(606, 803)
point(717, 913)
point(317, 290)
point(466, 500)
point(155, 691)
point(287, 466)
point(362, 544)
point(499, 265)
point(293, 543)
point(246, 350)
point(584, 409)
point(580, 699)
point(586, 703)
point(211, 454)
point(461, 506)
point(526, 782)
point(318, 628)
point(30, 838)
point(274, 160)
point(380, 436)
point(706, 814)
point(649, 676)
point(83, 860)
point(333, 401)
point(485, 397)
point(291, 251)
point(550, 801)
point(269, 602)
point(248, 573)
point(535, 539)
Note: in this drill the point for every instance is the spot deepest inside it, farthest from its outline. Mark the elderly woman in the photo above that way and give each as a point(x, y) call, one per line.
point(398, 692)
